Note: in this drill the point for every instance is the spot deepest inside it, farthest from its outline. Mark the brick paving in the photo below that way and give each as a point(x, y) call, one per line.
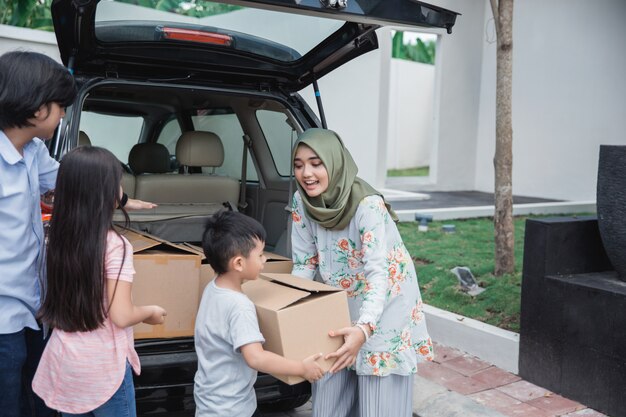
point(487, 385)
point(497, 389)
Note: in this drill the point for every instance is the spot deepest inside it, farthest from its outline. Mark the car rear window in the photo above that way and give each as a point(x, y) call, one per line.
point(144, 22)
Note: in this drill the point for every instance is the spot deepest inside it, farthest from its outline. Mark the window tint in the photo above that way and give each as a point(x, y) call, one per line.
point(279, 136)
point(115, 133)
point(225, 124)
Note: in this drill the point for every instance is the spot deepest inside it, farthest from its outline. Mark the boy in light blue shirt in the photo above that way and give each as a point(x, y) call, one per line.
point(34, 91)
point(227, 337)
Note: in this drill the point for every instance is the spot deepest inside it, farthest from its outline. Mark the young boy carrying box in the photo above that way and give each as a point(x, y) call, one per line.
point(227, 337)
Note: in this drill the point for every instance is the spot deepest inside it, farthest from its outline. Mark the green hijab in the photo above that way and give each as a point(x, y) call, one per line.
point(335, 207)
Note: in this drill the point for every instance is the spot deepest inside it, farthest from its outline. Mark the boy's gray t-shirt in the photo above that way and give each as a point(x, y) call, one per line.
point(224, 382)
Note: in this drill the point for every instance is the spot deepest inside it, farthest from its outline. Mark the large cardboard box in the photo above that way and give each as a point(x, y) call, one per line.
point(275, 264)
point(167, 275)
point(295, 315)
point(207, 274)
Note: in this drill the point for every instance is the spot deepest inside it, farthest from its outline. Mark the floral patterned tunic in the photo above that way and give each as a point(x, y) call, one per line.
point(369, 261)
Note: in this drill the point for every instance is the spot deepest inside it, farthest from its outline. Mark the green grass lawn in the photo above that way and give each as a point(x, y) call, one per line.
point(409, 172)
point(435, 253)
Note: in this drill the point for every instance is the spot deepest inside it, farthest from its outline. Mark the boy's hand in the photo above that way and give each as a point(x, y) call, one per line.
point(312, 370)
point(157, 316)
point(133, 204)
point(347, 353)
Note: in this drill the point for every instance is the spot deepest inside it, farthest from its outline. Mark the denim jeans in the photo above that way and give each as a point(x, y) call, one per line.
point(121, 404)
point(19, 356)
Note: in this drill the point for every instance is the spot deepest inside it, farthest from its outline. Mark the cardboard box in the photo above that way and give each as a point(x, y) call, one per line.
point(207, 274)
point(295, 315)
point(275, 264)
point(167, 275)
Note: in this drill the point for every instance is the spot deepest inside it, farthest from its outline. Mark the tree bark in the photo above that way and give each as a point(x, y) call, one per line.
point(503, 159)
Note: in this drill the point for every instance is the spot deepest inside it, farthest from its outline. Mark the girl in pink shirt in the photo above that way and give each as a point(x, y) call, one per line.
point(86, 366)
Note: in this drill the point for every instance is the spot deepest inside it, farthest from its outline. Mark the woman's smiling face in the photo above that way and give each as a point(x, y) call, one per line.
point(310, 171)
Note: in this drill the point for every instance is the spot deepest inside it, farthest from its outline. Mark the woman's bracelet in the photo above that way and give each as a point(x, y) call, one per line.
point(365, 332)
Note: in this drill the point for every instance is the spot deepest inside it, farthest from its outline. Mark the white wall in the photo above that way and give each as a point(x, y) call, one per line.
point(12, 38)
point(569, 96)
point(457, 93)
point(410, 127)
point(351, 99)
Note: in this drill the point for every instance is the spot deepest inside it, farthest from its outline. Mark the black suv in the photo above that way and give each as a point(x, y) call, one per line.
point(147, 86)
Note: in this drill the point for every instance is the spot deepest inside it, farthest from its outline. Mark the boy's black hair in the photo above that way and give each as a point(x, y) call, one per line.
point(228, 234)
point(29, 80)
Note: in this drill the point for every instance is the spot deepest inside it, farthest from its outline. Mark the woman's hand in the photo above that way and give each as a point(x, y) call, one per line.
point(347, 353)
point(133, 204)
point(157, 315)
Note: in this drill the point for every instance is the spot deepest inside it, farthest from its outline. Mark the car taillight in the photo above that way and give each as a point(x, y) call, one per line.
point(192, 35)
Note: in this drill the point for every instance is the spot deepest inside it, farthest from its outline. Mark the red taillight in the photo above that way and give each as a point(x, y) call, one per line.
point(191, 35)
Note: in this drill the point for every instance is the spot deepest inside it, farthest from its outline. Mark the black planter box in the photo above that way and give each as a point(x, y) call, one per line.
point(573, 315)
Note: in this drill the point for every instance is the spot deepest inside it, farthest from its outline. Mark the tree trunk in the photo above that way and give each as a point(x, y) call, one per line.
point(503, 159)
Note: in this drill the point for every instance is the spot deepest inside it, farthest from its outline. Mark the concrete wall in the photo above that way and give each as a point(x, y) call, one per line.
point(411, 105)
point(457, 94)
point(569, 94)
point(353, 107)
point(12, 38)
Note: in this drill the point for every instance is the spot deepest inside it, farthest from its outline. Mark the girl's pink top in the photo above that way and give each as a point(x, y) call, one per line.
point(80, 371)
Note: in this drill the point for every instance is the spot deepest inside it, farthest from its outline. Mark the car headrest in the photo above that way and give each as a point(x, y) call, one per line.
point(200, 149)
point(83, 139)
point(153, 158)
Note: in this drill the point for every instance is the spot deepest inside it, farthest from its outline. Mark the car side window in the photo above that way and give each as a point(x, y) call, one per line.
point(225, 124)
point(280, 138)
point(118, 134)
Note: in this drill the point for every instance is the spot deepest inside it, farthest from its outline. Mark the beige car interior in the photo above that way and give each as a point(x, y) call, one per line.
point(185, 185)
point(193, 149)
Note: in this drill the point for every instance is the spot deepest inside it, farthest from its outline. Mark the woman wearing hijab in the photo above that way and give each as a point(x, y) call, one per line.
point(343, 228)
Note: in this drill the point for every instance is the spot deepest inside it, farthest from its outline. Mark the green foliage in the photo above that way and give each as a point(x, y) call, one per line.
point(192, 8)
point(35, 14)
point(435, 253)
point(421, 51)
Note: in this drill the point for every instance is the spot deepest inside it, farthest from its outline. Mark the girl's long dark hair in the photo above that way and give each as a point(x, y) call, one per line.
point(86, 195)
